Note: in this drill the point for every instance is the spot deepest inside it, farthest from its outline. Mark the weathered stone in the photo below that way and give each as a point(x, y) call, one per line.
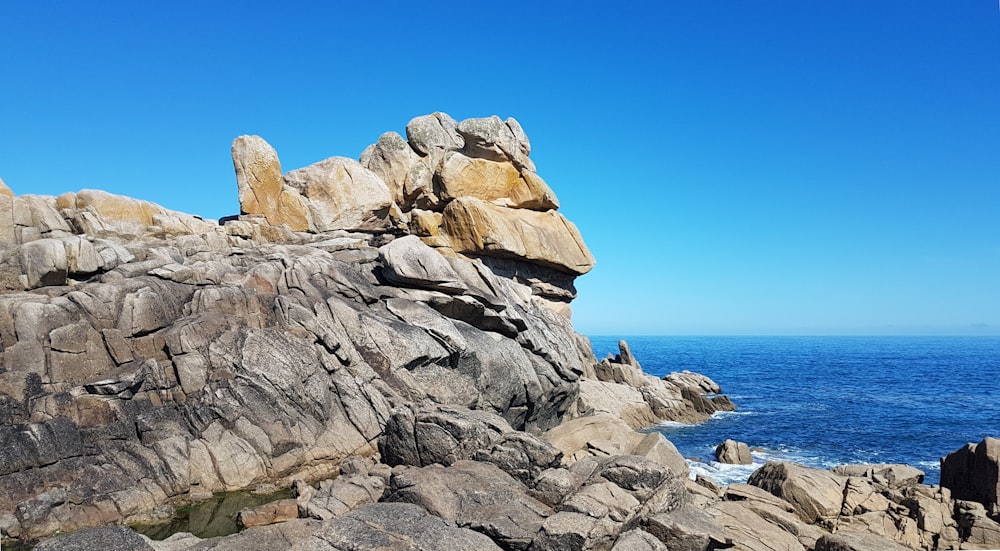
point(746, 492)
point(547, 238)
point(7, 226)
point(105, 538)
point(270, 513)
point(638, 540)
point(973, 473)
point(341, 194)
point(409, 262)
point(602, 435)
point(392, 160)
point(891, 475)
point(687, 529)
point(341, 495)
point(476, 495)
point(731, 451)
point(499, 183)
point(434, 131)
point(748, 530)
point(44, 262)
point(844, 541)
point(568, 530)
point(393, 526)
point(814, 493)
point(490, 138)
point(262, 190)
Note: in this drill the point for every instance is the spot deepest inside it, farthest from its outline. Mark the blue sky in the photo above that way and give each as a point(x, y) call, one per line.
point(736, 167)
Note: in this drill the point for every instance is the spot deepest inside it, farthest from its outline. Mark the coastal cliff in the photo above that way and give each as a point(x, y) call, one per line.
point(389, 337)
point(152, 358)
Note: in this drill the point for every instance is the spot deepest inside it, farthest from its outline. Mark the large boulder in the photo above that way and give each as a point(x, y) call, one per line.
point(476, 495)
point(852, 541)
point(476, 227)
point(393, 160)
point(408, 261)
point(435, 131)
point(733, 452)
point(604, 435)
point(814, 493)
point(104, 538)
point(262, 190)
point(8, 235)
point(972, 473)
point(499, 183)
point(341, 194)
point(393, 526)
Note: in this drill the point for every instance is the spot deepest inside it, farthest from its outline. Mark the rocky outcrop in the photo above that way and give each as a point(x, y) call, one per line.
point(972, 473)
point(151, 358)
point(733, 452)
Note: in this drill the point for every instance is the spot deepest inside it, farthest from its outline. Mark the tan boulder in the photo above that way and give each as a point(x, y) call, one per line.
point(604, 435)
point(391, 159)
point(261, 188)
point(281, 510)
point(341, 194)
point(617, 400)
point(7, 234)
point(500, 183)
point(733, 452)
point(815, 493)
point(547, 238)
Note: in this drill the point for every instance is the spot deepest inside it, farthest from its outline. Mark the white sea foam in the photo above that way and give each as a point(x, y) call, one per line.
point(723, 473)
point(724, 414)
point(670, 425)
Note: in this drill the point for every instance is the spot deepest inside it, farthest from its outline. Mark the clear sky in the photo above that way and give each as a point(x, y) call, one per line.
point(800, 167)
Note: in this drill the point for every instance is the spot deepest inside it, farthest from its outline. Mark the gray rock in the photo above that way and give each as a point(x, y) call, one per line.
point(973, 473)
point(342, 495)
point(490, 138)
point(687, 529)
point(733, 452)
point(814, 493)
point(638, 540)
point(434, 131)
point(522, 138)
point(340, 194)
point(476, 495)
point(408, 261)
point(890, 475)
point(104, 538)
point(43, 263)
point(392, 159)
point(393, 526)
point(843, 541)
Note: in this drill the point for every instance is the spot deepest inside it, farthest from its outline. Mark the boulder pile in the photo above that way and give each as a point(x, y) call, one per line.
point(390, 338)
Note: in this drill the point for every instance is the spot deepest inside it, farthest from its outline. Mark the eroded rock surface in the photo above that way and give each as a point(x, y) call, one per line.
point(150, 358)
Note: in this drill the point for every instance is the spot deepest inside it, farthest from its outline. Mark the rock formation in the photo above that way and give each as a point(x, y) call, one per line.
point(150, 358)
point(390, 338)
point(733, 452)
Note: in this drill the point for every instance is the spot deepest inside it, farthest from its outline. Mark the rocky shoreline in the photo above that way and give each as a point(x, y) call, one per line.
point(390, 337)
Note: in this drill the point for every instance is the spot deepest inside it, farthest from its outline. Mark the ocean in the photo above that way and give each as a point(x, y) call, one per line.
point(826, 401)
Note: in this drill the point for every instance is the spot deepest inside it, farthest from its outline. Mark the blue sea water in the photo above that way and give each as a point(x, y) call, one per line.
point(826, 401)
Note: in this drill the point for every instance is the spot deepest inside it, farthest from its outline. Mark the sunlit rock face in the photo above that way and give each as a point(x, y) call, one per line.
point(150, 357)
